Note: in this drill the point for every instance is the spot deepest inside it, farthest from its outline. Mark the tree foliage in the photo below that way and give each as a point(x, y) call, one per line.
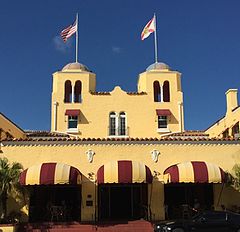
point(236, 178)
point(9, 182)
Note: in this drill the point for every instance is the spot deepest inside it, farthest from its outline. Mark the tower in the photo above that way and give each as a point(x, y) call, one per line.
point(71, 87)
point(164, 89)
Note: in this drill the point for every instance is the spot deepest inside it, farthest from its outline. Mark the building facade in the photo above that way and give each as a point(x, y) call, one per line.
point(122, 155)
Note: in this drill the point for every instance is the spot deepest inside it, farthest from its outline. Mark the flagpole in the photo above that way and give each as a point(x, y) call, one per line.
point(155, 39)
point(77, 39)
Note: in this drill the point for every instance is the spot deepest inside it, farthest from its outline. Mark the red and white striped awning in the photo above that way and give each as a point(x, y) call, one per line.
point(50, 173)
point(124, 171)
point(195, 172)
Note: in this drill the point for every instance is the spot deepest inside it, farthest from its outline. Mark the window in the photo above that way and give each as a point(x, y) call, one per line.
point(112, 124)
point(162, 122)
point(166, 92)
point(122, 124)
point(68, 92)
point(72, 122)
point(117, 124)
point(77, 91)
point(225, 133)
point(163, 118)
point(235, 129)
point(157, 91)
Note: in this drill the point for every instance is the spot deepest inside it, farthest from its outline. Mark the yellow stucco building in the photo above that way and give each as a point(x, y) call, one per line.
point(124, 155)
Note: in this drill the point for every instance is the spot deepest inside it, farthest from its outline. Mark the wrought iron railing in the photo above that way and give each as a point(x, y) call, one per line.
point(118, 131)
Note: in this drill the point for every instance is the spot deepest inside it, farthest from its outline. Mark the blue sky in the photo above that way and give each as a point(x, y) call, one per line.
point(200, 39)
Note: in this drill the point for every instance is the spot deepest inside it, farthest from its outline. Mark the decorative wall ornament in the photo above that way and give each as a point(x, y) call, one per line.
point(90, 153)
point(91, 176)
point(155, 153)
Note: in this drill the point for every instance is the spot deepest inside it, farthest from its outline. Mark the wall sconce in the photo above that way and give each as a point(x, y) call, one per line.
point(91, 176)
point(156, 174)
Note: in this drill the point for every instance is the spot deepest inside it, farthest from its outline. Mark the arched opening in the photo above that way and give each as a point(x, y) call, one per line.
point(166, 92)
point(157, 91)
point(126, 180)
point(68, 92)
point(122, 123)
point(78, 91)
point(194, 181)
point(112, 123)
point(54, 192)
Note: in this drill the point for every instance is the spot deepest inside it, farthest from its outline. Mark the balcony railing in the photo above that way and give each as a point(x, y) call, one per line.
point(118, 132)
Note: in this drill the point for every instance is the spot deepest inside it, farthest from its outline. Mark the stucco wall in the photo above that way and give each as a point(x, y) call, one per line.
point(140, 109)
point(224, 154)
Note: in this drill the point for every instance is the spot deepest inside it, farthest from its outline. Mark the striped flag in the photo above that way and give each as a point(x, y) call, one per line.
point(69, 31)
point(148, 29)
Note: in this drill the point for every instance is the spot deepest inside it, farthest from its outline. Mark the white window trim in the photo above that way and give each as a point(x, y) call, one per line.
point(117, 123)
point(114, 116)
point(118, 136)
point(161, 91)
point(72, 93)
point(163, 130)
point(72, 130)
point(119, 119)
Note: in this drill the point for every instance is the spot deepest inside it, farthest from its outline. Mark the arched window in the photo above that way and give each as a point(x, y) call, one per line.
point(166, 92)
point(78, 91)
point(122, 124)
point(68, 92)
point(113, 123)
point(157, 91)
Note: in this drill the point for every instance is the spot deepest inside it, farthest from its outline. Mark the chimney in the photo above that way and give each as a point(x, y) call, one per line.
point(232, 100)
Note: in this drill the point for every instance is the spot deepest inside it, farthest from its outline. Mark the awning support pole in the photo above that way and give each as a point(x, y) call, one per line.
point(150, 202)
point(220, 194)
point(132, 200)
point(95, 193)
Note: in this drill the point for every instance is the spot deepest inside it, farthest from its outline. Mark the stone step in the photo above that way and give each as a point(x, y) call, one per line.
point(130, 226)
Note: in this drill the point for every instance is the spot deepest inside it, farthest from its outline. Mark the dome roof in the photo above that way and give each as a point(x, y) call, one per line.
point(157, 66)
point(76, 65)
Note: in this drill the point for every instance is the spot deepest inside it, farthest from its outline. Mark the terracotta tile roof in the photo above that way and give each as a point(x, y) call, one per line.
point(45, 134)
point(190, 133)
point(136, 93)
point(100, 93)
point(108, 93)
point(165, 139)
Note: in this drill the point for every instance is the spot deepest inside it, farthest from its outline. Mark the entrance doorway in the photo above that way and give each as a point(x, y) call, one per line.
point(122, 201)
point(180, 199)
point(54, 203)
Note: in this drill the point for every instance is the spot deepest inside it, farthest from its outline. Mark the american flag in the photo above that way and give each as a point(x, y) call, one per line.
point(69, 31)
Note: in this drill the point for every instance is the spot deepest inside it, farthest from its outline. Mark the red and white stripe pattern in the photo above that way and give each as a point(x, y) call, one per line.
point(69, 31)
point(195, 172)
point(124, 171)
point(50, 173)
